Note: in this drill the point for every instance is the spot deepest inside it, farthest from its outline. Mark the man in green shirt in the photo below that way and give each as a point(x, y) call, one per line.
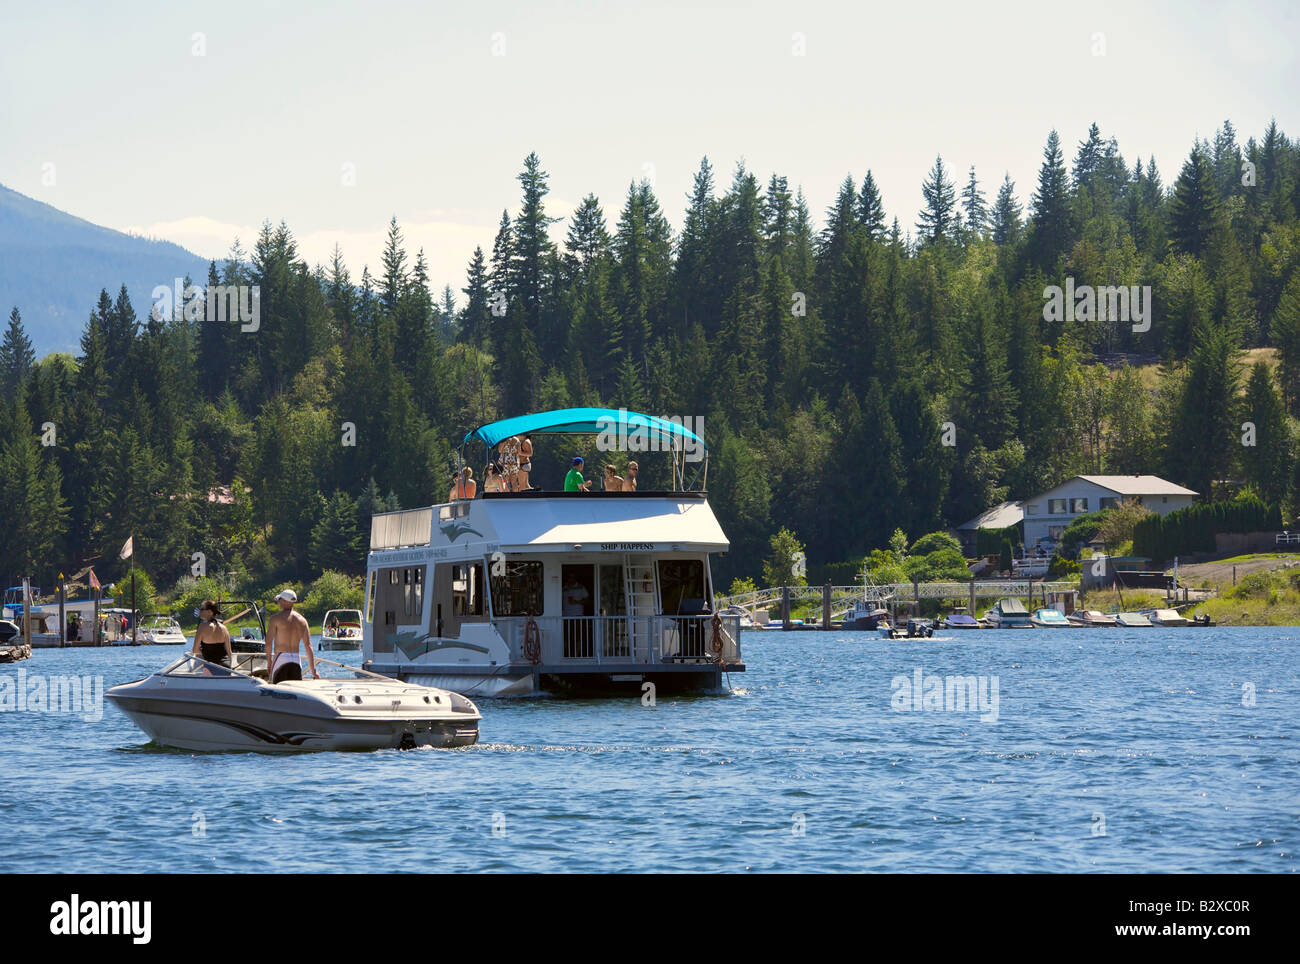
point(573, 481)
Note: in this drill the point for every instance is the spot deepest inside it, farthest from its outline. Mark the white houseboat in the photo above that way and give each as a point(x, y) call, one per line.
point(512, 593)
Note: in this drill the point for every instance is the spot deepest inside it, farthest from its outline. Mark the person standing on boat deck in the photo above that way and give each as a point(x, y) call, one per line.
point(212, 638)
point(510, 463)
point(285, 632)
point(525, 464)
point(629, 482)
point(613, 481)
point(464, 486)
point(573, 481)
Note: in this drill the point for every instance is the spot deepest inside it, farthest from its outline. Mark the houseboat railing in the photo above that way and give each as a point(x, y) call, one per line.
point(599, 640)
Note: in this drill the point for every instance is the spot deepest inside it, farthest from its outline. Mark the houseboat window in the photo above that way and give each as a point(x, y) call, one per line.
point(400, 595)
point(518, 591)
point(413, 594)
point(1078, 505)
point(681, 586)
point(1056, 507)
point(467, 589)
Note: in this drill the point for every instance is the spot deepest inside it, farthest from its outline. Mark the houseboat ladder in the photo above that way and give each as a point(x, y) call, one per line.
point(642, 593)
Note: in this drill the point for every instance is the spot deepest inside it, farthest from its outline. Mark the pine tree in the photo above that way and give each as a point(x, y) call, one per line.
point(477, 319)
point(938, 219)
point(1194, 206)
point(1285, 332)
point(1051, 222)
point(871, 210)
point(1006, 213)
point(1267, 454)
point(16, 355)
point(973, 204)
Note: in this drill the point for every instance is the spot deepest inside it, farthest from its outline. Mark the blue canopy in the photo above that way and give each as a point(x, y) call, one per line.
point(584, 421)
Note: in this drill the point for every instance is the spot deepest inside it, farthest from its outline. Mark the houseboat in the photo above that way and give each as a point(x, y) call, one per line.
point(512, 593)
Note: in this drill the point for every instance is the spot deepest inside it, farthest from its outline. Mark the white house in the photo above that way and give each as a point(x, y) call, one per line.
point(1047, 514)
point(1001, 516)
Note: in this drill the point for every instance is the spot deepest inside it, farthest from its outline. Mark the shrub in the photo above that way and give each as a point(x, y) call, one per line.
point(332, 590)
point(933, 542)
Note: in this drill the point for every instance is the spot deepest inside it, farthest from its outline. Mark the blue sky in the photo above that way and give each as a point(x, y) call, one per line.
point(197, 139)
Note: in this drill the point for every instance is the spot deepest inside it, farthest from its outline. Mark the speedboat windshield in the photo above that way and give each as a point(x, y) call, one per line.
point(191, 665)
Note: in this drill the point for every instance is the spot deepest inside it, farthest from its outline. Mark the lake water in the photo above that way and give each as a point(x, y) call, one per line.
point(1138, 750)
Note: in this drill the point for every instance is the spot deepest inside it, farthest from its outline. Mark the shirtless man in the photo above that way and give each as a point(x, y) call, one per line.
point(285, 632)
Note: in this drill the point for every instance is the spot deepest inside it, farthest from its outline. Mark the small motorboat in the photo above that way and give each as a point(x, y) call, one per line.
point(1166, 617)
point(1008, 613)
point(341, 629)
point(193, 704)
point(160, 629)
point(12, 647)
point(912, 629)
point(1092, 619)
point(1202, 619)
point(1049, 619)
point(1132, 620)
point(959, 618)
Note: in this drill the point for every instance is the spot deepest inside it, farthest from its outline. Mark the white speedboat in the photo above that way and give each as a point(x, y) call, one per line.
point(1166, 617)
point(160, 629)
point(196, 705)
point(1049, 619)
point(1091, 619)
point(1132, 620)
point(341, 629)
point(1008, 613)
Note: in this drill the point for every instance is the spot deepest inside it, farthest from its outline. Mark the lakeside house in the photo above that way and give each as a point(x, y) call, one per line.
point(1047, 514)
point(1001, 516)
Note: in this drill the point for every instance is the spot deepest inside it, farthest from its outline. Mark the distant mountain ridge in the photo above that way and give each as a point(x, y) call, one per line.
point(53, 265)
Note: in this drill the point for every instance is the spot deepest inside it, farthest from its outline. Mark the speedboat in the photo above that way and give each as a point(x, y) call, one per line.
point(742, 614)
point(1202, 619)
point(341, 629)
point(1092, 618)
point(959, 618)
point(1049, 619)
point(1008, 613)
point(912, 629)
point(1131, 620)
point(193, 704)
point(12, 647)
point(1165, 617)
point(160, 629)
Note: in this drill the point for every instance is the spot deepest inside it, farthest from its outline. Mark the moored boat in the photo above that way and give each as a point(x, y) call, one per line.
point(1132, 620)
point(959, 618)
point(160, 629)
point(1092, 619)
point(1166, 617)
point(865, 616)
point(1049, 619)
point(1008, 613)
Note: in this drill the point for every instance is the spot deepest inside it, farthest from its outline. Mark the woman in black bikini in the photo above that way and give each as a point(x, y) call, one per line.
point(212, 638)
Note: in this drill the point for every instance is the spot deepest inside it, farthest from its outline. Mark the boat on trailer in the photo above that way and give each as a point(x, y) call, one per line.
point(512, 593)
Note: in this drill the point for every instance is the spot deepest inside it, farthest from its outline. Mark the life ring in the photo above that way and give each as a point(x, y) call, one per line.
point(716, 643)
point(532, 642)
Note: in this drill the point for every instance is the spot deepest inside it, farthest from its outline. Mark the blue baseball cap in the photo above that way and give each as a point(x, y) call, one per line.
point(577, 460)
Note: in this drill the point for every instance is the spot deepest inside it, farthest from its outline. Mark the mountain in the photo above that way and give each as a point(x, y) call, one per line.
point(53, 265)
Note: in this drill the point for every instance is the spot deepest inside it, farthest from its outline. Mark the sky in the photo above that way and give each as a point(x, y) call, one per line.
point(198, 122)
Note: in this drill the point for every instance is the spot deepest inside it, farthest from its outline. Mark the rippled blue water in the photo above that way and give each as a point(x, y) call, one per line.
point(1142, 733)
